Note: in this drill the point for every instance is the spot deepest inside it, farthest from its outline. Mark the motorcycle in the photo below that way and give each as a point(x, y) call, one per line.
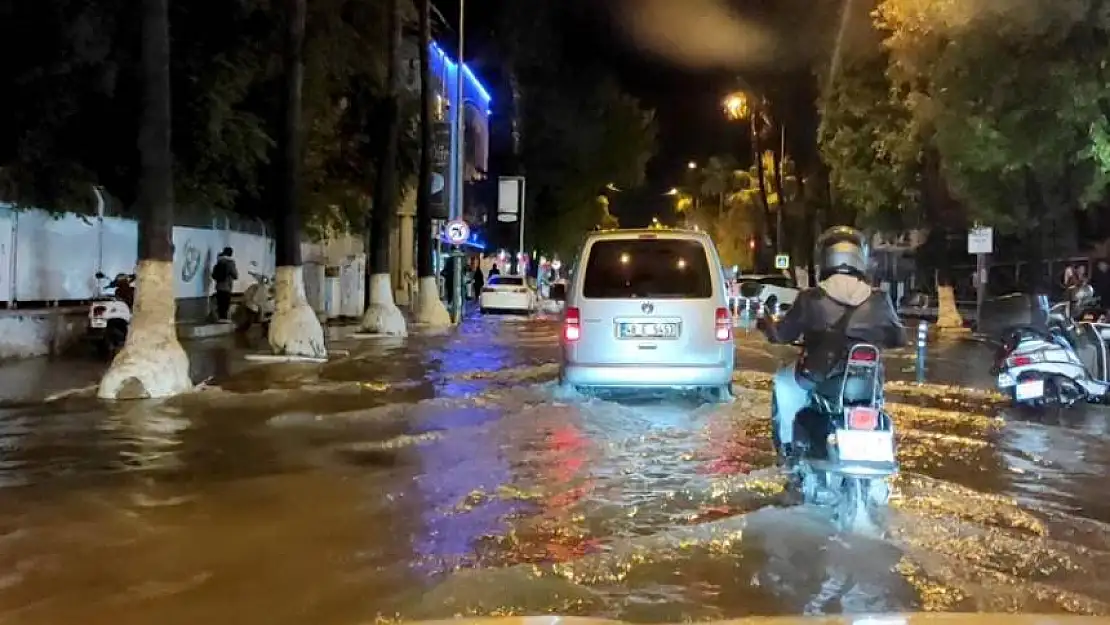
point(258, 304)
point(843, 451)
point(1060, 364)
point(110, 313)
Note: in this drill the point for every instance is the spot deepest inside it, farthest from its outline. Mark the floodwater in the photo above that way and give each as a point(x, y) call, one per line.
point(447, 475)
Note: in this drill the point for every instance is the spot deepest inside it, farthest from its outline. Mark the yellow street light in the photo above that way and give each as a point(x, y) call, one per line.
point(737, 106)
point(691, 165)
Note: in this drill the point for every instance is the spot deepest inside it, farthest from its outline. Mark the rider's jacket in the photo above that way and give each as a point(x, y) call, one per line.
point(817, 317)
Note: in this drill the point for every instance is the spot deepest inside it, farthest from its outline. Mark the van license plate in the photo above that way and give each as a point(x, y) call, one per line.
point(1033, 389)
point(647, 330)
point(99, 323)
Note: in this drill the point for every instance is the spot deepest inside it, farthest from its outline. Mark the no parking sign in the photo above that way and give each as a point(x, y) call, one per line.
point(457, 231)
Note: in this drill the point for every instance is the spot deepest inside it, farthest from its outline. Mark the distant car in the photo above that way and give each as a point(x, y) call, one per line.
point(507, 294)
point(774, 293)
point(648, 309)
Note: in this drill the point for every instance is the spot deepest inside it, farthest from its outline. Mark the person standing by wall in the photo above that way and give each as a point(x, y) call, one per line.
point(224, 274)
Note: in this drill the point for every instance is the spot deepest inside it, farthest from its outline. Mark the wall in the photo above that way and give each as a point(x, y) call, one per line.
point(44, 258)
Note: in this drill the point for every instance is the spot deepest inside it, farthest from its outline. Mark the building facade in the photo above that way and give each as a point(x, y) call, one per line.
point(475, 105)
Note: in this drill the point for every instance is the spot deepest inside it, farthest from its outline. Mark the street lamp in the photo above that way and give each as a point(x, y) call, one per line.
point(737, 106)
point(740, 106)
point(612, 187)
point(691, 165)
point(673, 191)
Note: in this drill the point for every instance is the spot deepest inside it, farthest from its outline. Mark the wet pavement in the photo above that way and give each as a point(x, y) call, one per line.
point(446, 474)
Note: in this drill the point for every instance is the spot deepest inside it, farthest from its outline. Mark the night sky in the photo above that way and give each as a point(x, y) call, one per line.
point(685, 93)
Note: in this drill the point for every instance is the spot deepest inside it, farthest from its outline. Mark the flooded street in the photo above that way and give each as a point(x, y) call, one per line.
point(448, 475)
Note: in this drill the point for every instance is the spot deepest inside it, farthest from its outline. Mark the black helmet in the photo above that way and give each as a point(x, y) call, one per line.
point(843, 249)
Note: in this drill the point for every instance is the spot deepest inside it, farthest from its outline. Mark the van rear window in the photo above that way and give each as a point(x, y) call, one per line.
point(647, 268)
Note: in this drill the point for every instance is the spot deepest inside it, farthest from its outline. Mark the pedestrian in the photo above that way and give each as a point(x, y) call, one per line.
point(224, 274)
point(479, 280)
point(1100, 282)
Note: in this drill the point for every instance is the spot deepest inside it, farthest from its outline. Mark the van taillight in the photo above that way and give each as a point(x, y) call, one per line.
point(723, 325)
point(572, 325)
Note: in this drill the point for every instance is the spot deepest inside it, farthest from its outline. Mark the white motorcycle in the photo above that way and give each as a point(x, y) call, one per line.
point(258, 304)
point(110, 313)
point(1058, 365)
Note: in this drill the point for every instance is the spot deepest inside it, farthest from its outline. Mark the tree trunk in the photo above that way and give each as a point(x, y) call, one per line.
point(152, 363)
point(429, 307)
point(776, 163)
point(809, 227)
point(295, 330)
point(382, 315)
point(948, 315)
point(762, 258)
point(1035, 239)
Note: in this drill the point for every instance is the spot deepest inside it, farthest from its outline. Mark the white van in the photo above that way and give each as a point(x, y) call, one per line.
point(648, 309)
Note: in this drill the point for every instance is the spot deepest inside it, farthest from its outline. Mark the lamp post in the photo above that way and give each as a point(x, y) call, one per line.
point(740, 106)
point(457, 179)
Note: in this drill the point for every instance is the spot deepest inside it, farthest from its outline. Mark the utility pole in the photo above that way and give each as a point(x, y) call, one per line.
point(457, 182)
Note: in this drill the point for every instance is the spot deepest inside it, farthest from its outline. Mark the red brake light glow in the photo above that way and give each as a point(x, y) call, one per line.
point(1019, 361)
point(863, 355)
point(572, 325)
point(723, 325)
point(863, 418)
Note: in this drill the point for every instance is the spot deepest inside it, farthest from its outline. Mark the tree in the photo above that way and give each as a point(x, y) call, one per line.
point(152, 363)
point(1026, 149)
point(429, 309)
point(877, 157)
point(577, 138)
point(605, 219)
point(382, 316)
point(294, 330)
point(576, 128)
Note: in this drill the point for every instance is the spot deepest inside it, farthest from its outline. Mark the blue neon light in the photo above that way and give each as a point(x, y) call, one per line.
point(473, 241)
point(475, 84)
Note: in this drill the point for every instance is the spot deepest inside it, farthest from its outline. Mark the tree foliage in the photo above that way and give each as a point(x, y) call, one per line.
point(74, 122)
point(1010, 99)
point(580, 131)
point(1028, 142)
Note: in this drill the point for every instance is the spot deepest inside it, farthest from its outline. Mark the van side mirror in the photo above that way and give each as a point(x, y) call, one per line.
point(559, 292)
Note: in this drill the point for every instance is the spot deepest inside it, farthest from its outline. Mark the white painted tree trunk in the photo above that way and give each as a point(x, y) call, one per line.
point(152, 363)
point(383, 316)
point(948, 316)
point(430, 310)
point(295, 329)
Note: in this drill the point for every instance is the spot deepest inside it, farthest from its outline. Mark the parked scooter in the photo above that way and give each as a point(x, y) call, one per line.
point(110, 313)
point(843, 451)
point(1061, 364)
point(258, 304)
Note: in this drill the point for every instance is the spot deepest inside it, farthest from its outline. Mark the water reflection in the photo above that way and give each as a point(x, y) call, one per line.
point(458, 480)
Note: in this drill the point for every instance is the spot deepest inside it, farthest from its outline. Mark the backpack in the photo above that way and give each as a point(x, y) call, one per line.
point(831, 354)
point(219, 272)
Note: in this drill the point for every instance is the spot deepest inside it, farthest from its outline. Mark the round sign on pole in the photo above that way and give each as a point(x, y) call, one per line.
point(457, 231)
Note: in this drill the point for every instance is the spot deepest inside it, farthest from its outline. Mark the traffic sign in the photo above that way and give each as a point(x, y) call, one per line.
point(782, 261)
point(457, 231)
point(980, 240)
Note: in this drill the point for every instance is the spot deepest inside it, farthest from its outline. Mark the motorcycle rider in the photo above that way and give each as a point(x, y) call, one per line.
point(841, 311)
